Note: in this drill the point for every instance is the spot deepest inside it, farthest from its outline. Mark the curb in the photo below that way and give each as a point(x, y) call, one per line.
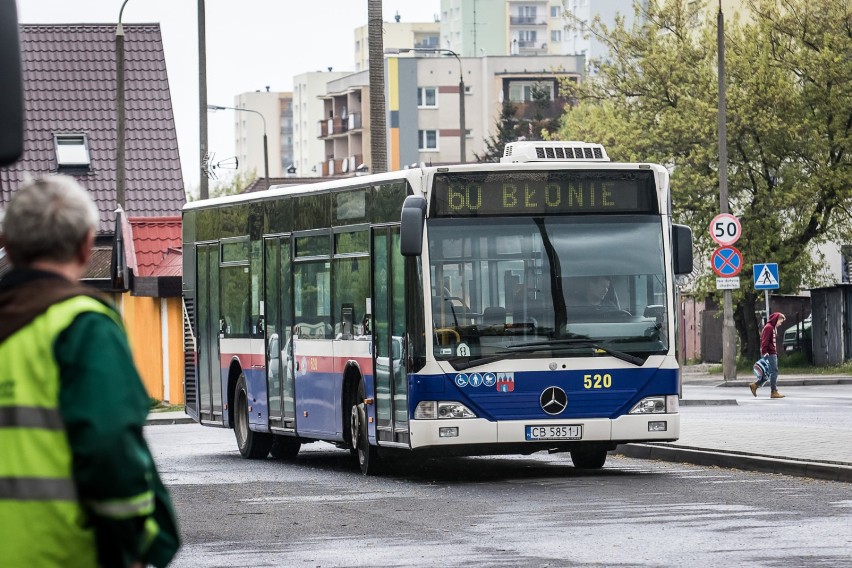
point(718, 402)
point(831, 471)
point(791, 382)
point(784, 382)
point(168, 421)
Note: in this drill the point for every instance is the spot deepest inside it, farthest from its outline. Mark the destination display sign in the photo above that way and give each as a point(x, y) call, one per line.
point(538, 193)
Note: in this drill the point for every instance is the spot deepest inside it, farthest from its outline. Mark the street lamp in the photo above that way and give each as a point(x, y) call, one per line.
point(463, 133)
point(265, 152)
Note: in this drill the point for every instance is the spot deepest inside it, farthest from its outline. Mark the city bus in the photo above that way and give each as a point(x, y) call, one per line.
point(475, 309)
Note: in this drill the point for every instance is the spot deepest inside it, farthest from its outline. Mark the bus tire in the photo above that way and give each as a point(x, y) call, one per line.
point(252, 445)
point(368, 457)
point(285, 447)
point(588, 459)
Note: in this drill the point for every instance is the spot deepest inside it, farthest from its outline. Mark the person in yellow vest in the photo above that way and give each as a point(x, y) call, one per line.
point(78, 484)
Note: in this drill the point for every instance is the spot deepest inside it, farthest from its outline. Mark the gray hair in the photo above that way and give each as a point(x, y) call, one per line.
point(48, 219)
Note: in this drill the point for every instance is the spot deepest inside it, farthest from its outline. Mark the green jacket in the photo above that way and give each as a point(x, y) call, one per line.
point(78, 485)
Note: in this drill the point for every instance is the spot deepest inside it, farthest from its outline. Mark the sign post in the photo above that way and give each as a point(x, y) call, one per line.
point(766, 279)
point(727, 263)
point(725, 229)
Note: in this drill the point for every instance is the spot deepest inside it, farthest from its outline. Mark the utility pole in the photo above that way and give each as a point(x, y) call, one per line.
point(378, 121)
point(121, 125)
point(729, 340)
point(202, 100)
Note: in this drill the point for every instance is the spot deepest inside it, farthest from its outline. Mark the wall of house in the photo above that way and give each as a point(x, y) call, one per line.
point(148, 322)
point(174, 307)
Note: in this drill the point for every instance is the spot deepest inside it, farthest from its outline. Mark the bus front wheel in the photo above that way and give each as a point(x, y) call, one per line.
point(252, 445)
point(588, 459)
point(368, 458)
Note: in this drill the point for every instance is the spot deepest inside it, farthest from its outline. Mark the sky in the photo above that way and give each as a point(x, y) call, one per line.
point(251, 44)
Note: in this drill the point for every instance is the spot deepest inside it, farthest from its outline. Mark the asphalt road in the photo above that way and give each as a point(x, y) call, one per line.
point(533, 511)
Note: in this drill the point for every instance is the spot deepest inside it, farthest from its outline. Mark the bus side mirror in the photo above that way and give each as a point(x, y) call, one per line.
point(11, 87)
point(411, 229)
point(682, 249)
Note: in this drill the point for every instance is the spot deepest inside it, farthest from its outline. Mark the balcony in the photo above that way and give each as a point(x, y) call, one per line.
point(353, 121)
point(527, 21)
point(532, 47)
point(336, 166)
point(430, 43)
point(336, 125)
point(355, 161)
point(323, 129)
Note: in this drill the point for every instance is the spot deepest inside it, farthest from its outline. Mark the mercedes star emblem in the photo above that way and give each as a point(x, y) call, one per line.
point(553, 400)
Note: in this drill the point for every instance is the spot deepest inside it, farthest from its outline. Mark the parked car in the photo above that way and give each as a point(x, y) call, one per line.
point(798, 337)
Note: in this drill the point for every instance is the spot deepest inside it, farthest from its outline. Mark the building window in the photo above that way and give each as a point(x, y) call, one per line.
point(427, 139)
point(427, 97)
point(555, 11)
point(72, 150)
point(526, 91)
point(556, 36)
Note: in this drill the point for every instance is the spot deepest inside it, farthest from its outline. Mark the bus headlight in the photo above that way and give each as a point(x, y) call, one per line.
point(656, 405)
point(431, 409)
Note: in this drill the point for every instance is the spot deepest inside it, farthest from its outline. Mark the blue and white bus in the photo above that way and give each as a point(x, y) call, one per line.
point(475, 309)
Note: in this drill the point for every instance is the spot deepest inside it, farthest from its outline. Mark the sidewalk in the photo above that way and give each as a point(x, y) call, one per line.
point(698, 375)
point(806, 434)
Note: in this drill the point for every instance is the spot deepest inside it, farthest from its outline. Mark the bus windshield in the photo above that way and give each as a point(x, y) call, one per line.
point(543, 286)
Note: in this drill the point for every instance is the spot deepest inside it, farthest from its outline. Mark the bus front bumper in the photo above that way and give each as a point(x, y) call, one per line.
point(473, 431)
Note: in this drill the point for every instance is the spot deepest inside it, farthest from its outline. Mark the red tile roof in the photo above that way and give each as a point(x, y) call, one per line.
point(69, 87)
point(157, 241)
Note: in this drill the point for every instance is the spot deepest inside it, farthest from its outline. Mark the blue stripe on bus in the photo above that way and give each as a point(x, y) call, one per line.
point(626, 388)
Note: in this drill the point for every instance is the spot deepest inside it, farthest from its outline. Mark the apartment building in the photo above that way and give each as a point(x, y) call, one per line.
point(424, 107)
point(308, 112)
point(420, 35)
point(262, 114)
point(344, 130)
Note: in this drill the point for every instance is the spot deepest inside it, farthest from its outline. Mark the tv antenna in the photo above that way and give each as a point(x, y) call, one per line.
point(210, 166)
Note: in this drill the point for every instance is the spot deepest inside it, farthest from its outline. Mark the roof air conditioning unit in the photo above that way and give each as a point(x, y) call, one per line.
point(528, 151)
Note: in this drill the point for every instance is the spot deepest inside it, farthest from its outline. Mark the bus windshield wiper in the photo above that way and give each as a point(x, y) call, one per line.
point(462, 363)
point(577, 342)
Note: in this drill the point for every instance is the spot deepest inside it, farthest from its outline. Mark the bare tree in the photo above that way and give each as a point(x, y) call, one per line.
point(378, 123)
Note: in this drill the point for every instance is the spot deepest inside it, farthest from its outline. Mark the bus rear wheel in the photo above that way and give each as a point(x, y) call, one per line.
point(368, 457)
point(252, 445)
point(588, 459)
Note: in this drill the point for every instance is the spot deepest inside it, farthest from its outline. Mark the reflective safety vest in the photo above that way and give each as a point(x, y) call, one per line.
point(42, 522)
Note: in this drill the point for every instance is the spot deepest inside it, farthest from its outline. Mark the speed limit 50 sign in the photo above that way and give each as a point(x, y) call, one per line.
point(725, 229)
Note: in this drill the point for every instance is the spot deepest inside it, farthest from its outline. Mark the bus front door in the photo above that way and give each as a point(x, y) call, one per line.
point(207, 310)
point(278, 328)
point(389, 330)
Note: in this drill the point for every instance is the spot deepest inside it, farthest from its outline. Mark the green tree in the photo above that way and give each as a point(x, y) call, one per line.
point(508, 128)
point(789, 108)
point(542, 125)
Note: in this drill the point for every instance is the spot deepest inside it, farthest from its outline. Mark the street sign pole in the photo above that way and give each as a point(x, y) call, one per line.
point(729, 340)
point(766, 278)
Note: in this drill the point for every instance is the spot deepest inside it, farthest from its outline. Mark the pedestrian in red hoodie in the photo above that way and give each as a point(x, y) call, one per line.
point(769, 351)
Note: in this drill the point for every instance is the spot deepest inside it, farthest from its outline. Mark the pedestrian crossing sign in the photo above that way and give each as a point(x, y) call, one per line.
point(766, 276)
